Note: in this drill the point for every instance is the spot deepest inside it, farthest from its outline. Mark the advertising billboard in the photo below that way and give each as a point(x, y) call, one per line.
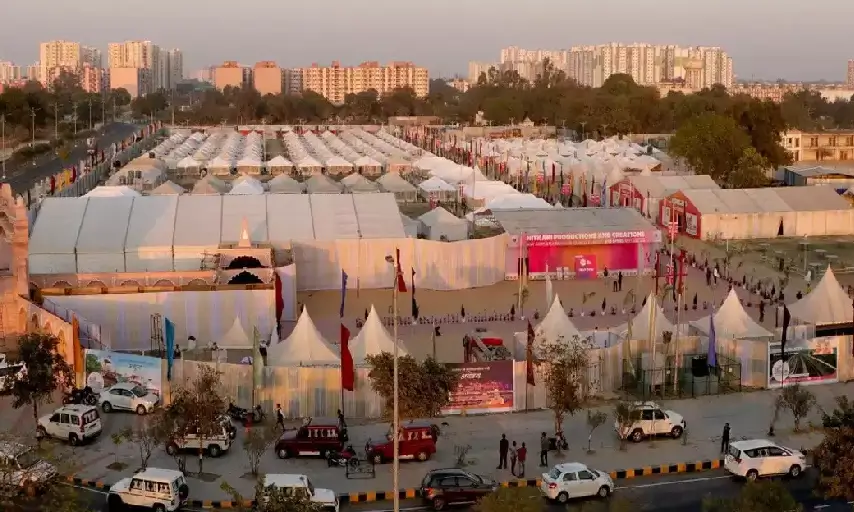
point(483, 388)
point(805, 361)
point(105, 368)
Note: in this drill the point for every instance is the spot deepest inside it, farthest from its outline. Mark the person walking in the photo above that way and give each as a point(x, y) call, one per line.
point(513, 455)
point(280, 417)
point(761, 311)
point(544, 450)
point(503, 448)
point(619, 281)
point(725, 439)
point(522, 455)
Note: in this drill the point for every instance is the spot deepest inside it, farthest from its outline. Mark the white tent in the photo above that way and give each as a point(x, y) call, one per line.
point(235, 337)
point(440, 224)
point(167, 188)
point(108, 191)
point(555, 326)
point(284, 184)
point(641, 322)
point(305, 346)
point(410, 226)
point(320, 184)
point(372, 340)
point(731, 320)
point(209, 186)
point(246, 187)
point(437, 187)
point(279, 161)
point(827, 304)
point(187, 162)
point(358, 184)
point(402, 189)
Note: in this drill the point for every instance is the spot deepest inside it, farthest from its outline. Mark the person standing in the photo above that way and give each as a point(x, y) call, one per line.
point(513, 455)
point(761, 311)
point(725, 439)
point(544, 450)
point(280, 417)
point(522, 455)
point(503, 448)
point(619, 281)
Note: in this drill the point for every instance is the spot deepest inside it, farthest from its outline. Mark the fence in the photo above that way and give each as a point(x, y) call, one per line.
point(691, 378)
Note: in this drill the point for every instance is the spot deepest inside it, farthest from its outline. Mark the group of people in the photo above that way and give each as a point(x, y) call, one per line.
point(518, 455)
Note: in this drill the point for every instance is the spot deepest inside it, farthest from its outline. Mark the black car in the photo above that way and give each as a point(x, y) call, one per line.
point(443, 487)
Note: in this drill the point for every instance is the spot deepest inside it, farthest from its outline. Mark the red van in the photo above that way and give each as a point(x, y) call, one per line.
point(417, 442)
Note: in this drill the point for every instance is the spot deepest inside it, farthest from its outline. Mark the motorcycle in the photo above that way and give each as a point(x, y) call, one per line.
point(81, 396)
point(245, 416)
point(344, 458)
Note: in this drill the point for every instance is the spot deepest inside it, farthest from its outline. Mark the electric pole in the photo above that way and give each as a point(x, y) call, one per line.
point(90, 114)
point(56, 121)
point(75, 118)
point(33, 115)
point(172, 104)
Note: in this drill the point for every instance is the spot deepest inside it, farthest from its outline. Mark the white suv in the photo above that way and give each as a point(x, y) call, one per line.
point(21, 469)
point(301, 487)
point(650, 420)
point(128, 396)
point(575, 480)
point(160, 490)
point(759, 457)
point(214, 444)
point(74, 423)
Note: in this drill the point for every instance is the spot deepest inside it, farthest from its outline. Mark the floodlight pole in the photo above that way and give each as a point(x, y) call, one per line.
point(396, 422)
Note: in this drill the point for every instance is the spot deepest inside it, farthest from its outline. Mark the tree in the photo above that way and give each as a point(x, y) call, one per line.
point(120, 96)
point(594, 421)
point(271, 499)
point(750, 169)
point(760, 496)
point(842, 416)
point(510, 499)
point(46, 371)
point(798, 400)
point(256, 443)
point(834, 456)
point(711, 144)
point(564, 368)
point(423, 389)
point(625, 416)
point(146, 436)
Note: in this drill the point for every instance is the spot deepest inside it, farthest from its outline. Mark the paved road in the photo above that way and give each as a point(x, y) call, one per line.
point(25, 175)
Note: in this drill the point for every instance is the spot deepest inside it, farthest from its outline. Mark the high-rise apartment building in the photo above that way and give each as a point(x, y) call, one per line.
point(230, 74)
point(850, 77)
point(137, 81)
point(335, 82)
point(176, 67)
point(93, 79)
point(292, 80)
point(9, 72)
point(477, 68)
point(33, 72)
point(58, 56)
point(142, 55)
point(268, 78)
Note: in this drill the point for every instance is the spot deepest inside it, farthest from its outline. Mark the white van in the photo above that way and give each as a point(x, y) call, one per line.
point(300, 486)
point(75, 423)
point(162, 490)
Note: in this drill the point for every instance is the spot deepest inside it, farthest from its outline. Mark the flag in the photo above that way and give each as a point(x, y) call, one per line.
point(257, 359)
point(602, 193)
point(529, 356)
point(343, 293)
point(348, 372)
point(414, 303)
point(592, 184)
point(401, 282)
point(787, 318)
point(79, 364)
point(713, 342)
point(280, 300)
point(169, 329)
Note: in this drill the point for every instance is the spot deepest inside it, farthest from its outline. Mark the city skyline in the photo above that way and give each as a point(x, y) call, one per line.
point(758, 40)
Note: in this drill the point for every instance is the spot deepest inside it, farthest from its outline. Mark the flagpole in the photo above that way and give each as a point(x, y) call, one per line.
point(396, 465)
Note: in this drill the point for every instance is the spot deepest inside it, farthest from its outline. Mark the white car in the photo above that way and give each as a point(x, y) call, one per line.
point(757, 458)
point(214, 445)
point(575, 480)
point(650, 420)
point(301, 486)
point(128, 396)
point(161, 490)
point(74, 423)
point(21, 468)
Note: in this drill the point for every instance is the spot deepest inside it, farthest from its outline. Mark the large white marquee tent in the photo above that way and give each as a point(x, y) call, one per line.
point(305, 346)
point(373, 339)
point(827, 304)
point(731, 320)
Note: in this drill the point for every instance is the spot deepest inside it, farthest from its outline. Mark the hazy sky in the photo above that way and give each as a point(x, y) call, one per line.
point(793, 39)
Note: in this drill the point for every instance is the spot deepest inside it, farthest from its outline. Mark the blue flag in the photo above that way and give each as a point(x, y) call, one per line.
point(713, 342)
point(169, 327)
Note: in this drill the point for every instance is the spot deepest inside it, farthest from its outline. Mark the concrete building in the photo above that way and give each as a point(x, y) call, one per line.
point(55, 56)
point(459, 84)
point(230, 73)
point(849, 78)
point(137, 81)
point(292, 80)
point(204, 75)
point(335, 82)
point(832, 146)
point(268, 78)
point(138, 54)
point(9, 72)
point(164, 70)
point(176, 67)
point(93, 79)
point(476, 68)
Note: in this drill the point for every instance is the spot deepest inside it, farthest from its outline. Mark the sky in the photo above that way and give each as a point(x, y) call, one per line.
point(767, 39)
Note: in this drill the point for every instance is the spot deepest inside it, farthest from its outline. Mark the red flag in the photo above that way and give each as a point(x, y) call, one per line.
point(280, 301)
point(348, 372)
point(401, 282)
point(529, 356)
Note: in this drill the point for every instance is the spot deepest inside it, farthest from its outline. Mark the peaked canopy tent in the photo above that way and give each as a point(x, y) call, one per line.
point(403, 191)
point(248, 187)
point(731, 320)
point(308, 166)
point(372, 340)
point(827, 304)
point(220, 166)
point(320, 184)
point(437, 188)
point(305, 346)
point(368, 166)
point(440, 224)
point(209, 186)
point(168, 188)
point(235, 337)
point(249, 165)
point(338, 166)
point(555, 326)
point(279, 165)
point(284, 184)
point(358, 184)
point(641, 322)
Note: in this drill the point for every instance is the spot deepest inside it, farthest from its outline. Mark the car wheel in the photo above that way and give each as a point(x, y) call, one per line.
point(676, 432)
point(422, 456)
point(377, 458)
point(604, 491)
point(283, 453)
point(159, 507)
point(141, 410)
point(562, 497)
point(438, 503)
point(115, 503)
point(172, 449)
point(795, 471)
point(324, 453)
point(73, 440)
point(752, 475)
point(41, 433)
point(214, 451)
point(637, 435)
point(107, 407)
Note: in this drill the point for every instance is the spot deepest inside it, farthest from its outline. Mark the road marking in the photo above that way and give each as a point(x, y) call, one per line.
point(673, 482)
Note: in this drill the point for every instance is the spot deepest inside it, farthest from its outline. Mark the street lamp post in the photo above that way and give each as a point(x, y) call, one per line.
point(3, 142)
point(91, 126)
point(75, 118)
point(395, 407)
point(33, 123)
point(56, 121)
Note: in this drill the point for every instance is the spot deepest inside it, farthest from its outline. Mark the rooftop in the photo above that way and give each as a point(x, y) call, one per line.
point(571, 220)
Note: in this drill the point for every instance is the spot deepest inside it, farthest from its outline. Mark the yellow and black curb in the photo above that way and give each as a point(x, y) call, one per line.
point(408, 494)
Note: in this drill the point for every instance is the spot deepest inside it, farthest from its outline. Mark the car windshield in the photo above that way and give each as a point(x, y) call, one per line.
point(554, 474)
point(27, 459)
point(474, 478)
point(139, 391)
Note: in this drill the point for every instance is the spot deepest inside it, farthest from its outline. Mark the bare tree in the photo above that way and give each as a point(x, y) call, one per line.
point(594, 421)
point(145, 436)
point(564, 366)
point(624, 415)
point(798, 400)
point(258, 440)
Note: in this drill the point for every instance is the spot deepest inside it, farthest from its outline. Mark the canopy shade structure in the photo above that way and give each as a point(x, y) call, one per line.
point(731, 320)
point(167, 188)
point(440, 224)
point(827, 304)
point(246, 188)
point(279, 161)
point(641, 322)
point(402, 189)
point(112, 191)
point(305, 346)
point(319, 184)
point(358, 184)
point(411, 226)
point(373, 340)
point(283, 184)
point(555, 327)
point(235, 337)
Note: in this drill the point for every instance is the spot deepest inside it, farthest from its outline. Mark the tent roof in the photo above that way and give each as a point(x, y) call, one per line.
point(359, 183)
point(105, 226)
point(438, 216)
point(305, 346)
point(556, 325)
point(308, 161)
point(732, 320)
point(279, 161)
point(373, 339)
point(57, 225)
point(152, 224)
point(641, 325)
point(392, 182)
point(320, 184)
point(235, 337)
point(285, 184)
point(167, 188)
point(366, 161)
point(827, 304)
point(337, 161)
point(246, 188)
point(296, 207)
point(112, 191)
